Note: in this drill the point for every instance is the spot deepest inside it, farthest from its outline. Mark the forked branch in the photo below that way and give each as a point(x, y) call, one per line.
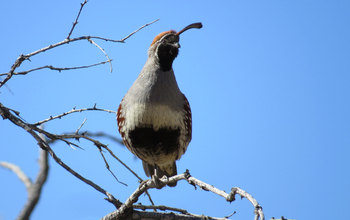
point(68, 40)
point(124, 210)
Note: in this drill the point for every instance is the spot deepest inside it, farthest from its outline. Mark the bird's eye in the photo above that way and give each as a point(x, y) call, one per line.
point(163, 41)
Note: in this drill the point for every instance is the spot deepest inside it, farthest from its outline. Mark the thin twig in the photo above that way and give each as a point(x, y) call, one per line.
point(127, 167)
point(120, 161)
point(107, 166)
point(56, 68)
point(22, 57)
point(76, 20)
point(110, 63)
point(73, 111)
point(103, 134)
point(76, 132)
point(122, 40)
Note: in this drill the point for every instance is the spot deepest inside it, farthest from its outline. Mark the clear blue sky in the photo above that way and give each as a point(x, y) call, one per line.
point(268, 83)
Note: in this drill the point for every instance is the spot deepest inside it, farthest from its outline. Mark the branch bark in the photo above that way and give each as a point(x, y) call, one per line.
point(126, 209)
point(22, 57)
point(34, 191)
point(6, 114)
point(33, 188)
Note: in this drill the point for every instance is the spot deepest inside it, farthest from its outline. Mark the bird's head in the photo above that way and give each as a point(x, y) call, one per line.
point(165, 46)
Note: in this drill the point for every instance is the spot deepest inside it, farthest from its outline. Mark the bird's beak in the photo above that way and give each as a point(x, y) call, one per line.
point(176, 44)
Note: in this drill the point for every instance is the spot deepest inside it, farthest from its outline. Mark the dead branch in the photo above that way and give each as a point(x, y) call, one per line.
point(22, 57)
point(122, 40)
point(73, 111)
point(109, 60)
point(6, 114)
point(107, 166)
point(33, 188)
point(20, 174)
point(125, 210)
point(59, 69)
point(76, 20)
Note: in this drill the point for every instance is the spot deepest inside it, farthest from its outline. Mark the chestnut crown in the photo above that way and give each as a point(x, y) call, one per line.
point(168, 45)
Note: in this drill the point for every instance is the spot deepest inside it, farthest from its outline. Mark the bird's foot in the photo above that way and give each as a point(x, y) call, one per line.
point(157, 182)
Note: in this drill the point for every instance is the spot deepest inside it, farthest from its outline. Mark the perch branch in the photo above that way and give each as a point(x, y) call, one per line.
point(124, 210)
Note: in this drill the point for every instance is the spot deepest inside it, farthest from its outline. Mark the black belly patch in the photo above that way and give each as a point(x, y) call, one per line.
point(163, 141)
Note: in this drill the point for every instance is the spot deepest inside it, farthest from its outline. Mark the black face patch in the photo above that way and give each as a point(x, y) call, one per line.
point(163, 141)
point(166, 54)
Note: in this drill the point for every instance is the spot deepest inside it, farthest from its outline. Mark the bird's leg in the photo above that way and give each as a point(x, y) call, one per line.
point(155, 177)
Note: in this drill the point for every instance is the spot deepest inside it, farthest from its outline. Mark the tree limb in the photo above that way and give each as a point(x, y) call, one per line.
point(6, 114)
point(33, 188)
point(17, 170)
point(56, 68)
point(125, 210)
point(73, 111)
point(22, 57)
point(34, 191)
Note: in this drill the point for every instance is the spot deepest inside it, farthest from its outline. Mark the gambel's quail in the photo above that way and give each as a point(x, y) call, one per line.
point(154, 117)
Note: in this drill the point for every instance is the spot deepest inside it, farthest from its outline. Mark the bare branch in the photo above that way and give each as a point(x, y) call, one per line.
point(162, 215)
point(124, 210)
point(102, 134)
point(76, 20)
point(107, 166)
point(17, 170)
point(73, 111)
point(127, 167)
point(159, 207)
point(34, 192)
point(120, 161)
point(229, 197)
point(33, 188)
point(17, 63)
point(93, 42)
point(22, 57)
point(76, 132)
point(122, 40)
point(56, 68)
point(6, 114)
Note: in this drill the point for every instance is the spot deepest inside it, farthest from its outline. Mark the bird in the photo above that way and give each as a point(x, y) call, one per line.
point(154, 117)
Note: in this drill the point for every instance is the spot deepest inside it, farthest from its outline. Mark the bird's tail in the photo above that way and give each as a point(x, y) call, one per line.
point(167, 171)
